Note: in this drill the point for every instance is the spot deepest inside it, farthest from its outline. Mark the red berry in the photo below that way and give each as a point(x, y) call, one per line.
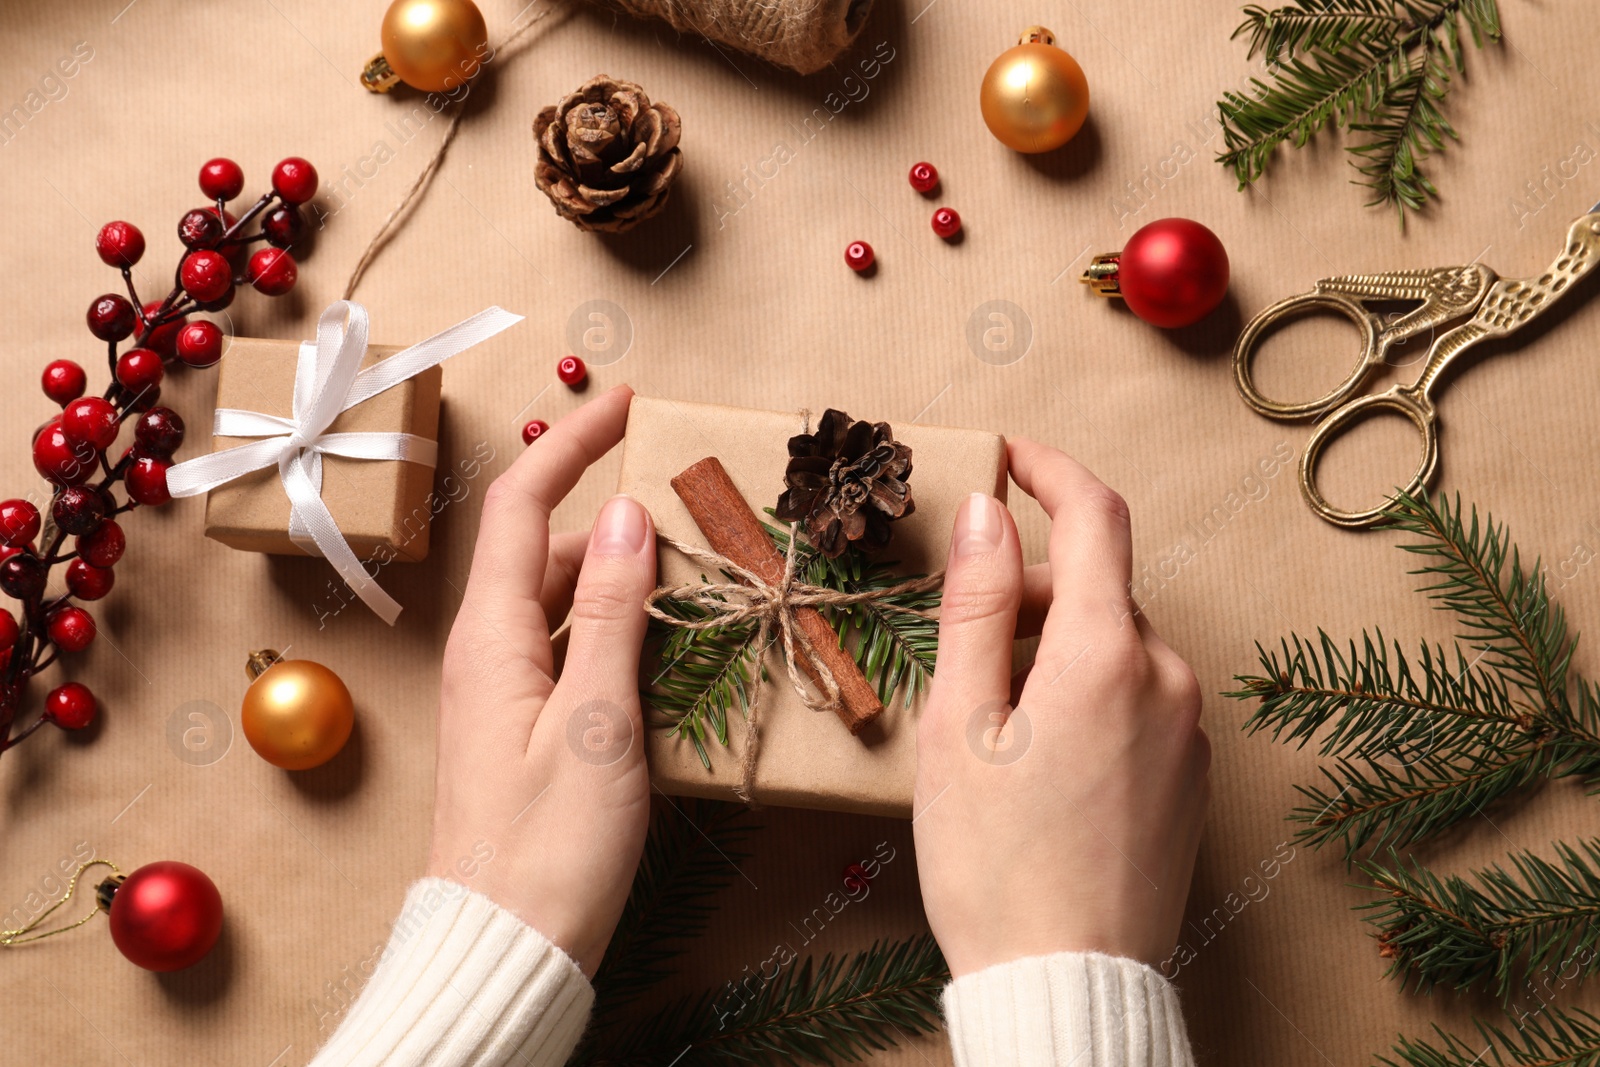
point(272, 271)
point(856, 878)
point(161, 339)
point(71, 629)
point(19, 523)
point(139, 369)
point(205, 274)
point(147, 481)
point(283, 226)
point(159, 432)
point(858, 255)
point(104, 547)
point(571, 370)
point(88, 582)
point(924, 177)
point(200, 228)
point(63, 381)
point(946, 223)
point(58, 459)
point(90, 421)
point(295, 180)
point(8, 630)
point(221, 179)
point(199, 344)
point(23, 576)
point(70, 706)
point(111, 317)
point(120, 244)
point(535, 429)
point(79, 510)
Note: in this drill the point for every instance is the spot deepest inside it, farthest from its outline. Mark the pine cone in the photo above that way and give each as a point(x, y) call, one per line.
point(846, 482)
point(607, 155)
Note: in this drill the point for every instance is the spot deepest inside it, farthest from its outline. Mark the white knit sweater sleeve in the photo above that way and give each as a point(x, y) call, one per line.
point(463, 983)
point(1071, 1009)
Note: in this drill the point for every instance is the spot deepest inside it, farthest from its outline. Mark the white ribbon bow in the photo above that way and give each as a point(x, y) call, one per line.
point(329, 380)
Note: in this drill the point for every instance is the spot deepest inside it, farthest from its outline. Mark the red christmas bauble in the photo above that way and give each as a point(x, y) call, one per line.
point(1173, 272)
point(166, 916)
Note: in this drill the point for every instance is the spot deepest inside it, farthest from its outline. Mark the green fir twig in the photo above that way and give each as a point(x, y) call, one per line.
point(1554, 1038)
point(1500, 930)
point(1378, 68)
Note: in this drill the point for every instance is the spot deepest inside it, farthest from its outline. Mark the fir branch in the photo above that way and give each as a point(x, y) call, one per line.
point(1375, 67)
point(1555, 1038)
point(838, 1009)
point(1509, 926)
point(691, 853)
point(704, 675)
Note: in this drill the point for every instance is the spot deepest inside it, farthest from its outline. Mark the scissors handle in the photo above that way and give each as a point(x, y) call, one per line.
point(1408, 400)
point(1372, 353)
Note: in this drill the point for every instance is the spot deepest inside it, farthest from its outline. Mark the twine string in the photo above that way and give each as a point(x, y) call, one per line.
point(773, 606)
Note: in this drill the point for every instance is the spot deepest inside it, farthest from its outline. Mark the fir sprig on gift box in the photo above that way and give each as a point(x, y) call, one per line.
point(704, 675)
point(1378, 68)
point(815, 1011)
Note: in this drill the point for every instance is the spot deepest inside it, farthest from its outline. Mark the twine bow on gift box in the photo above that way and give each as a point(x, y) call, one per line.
point(329, 381)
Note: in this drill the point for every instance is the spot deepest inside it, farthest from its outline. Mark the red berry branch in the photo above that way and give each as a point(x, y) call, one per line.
point(70, 450)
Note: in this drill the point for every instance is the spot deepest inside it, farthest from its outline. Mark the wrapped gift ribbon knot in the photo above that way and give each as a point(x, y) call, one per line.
point(328, 381)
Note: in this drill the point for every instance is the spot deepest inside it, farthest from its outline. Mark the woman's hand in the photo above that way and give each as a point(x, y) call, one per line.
point(1070, 821)
point(547, 776)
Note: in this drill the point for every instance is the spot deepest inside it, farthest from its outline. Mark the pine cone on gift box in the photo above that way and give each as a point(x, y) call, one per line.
point(846, 482)
point(607, 155)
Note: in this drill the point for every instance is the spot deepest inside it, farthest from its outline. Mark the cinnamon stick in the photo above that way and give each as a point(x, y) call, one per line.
point(733, 530)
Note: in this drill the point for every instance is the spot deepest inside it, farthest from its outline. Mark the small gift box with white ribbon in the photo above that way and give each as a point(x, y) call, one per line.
point(327, 447)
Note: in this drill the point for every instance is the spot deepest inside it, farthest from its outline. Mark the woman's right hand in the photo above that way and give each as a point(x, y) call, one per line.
point(1068, 819)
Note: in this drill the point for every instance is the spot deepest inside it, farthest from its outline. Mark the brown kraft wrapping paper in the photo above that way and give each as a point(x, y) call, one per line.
point(381, 506)
point(807, 759)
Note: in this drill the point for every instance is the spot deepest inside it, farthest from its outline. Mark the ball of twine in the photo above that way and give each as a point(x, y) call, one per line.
point(803, 35)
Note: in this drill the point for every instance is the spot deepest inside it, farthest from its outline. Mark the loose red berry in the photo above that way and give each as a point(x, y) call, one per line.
point(104, 547)
point(147, 481)
point(535, 429)
point(71, 629)
point(221, 178)
point(206, 274)
point(63, 381)
point(19, 523)
point(924, 177)
point(70, 706)
point(79, 510)
point(159, 432)
point(90, 421)
point(858, 255)
point(22, 577)
point(200, 228)
point(856, 878)
point(272, 271)
point(295, 180)
point(161, 339)
point(58, 459)
point(199, 344)
point(111, 317)
point(946, 223)
point(88, 582)
point(571, 370)
point(120, 244)
point(139, 369)
point(283, 226)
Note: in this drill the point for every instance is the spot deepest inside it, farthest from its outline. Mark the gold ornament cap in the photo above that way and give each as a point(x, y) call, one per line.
point(1037, 35)
point(260, 660)
point(1103, 274)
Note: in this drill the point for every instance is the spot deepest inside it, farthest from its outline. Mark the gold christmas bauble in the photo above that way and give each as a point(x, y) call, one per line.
point(1035, 96)
point(296, 714)
point(434, 45)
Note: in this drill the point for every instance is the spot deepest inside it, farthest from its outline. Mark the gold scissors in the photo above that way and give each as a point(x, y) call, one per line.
point(1497, 307)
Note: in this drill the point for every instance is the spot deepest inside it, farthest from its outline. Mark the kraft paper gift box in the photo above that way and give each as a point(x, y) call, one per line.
point(381, 506)
point(807, 759)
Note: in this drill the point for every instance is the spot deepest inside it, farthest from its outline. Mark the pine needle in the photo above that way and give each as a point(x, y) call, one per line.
point(1378, 68)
